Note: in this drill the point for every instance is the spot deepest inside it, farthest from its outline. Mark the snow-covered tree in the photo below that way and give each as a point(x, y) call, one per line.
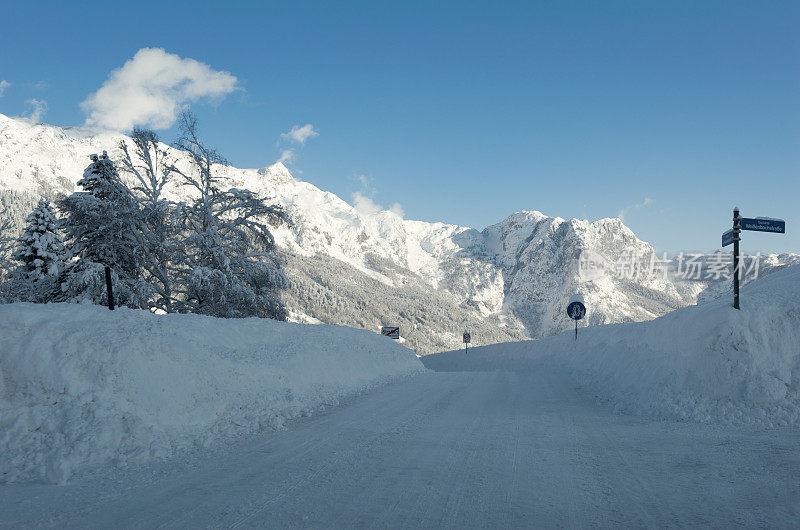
point(150, 166)
point(40, 256)
point(103, 226)
point(6, 242)
point(40, 249)
point(226, 268)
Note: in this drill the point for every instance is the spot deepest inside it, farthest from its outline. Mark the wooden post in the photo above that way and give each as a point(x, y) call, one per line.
point(109, 288)
point(737, 228)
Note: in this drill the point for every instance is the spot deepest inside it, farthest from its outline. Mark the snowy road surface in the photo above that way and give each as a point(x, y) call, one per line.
point(467, 449)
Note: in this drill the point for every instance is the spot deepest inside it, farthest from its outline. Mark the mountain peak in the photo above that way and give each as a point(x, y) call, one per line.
point(277, 171)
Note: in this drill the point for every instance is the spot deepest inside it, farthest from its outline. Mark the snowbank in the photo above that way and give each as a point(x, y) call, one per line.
point(708, 363)
point(82, 386)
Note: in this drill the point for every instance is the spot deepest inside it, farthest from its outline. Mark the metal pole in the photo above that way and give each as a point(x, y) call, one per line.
point(576, 330)
point(737, 226)
point(109, 289)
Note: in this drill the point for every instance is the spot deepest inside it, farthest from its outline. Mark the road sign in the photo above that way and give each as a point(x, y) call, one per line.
point(467, 337)
point(576, 310)
point(391, 332)
point(759, 224)
point(764, 224)
point(727, 238)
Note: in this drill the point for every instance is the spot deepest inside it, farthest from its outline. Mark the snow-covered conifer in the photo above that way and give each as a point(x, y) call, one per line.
point(103, 225)
point(40, 249)
point(39, 256)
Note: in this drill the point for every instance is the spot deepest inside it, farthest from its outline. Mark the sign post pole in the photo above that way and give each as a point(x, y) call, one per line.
point(576, 310)
point(757, 224)
point(467, 338)
point(737, 228)
point(109, 288)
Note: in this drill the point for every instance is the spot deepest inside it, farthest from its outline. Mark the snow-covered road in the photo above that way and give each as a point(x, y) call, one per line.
point(459, 449)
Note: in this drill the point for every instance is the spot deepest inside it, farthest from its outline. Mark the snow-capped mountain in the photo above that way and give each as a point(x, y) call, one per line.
point(434, 280)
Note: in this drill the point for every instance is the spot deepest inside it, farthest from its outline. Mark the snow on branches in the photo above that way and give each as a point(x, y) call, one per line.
point(226, 268)
point(212, 254)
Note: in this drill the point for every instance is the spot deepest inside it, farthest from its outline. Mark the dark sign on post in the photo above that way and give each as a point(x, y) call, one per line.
point(764, 224)
point(391, 332)
point(758, 224)
point(727, 238)
point(576, 310)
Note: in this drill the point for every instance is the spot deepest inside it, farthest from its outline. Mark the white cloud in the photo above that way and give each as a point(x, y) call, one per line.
point(646, 202)
point(366, 184)
point(397, 209)
point(287, 156)
point(152, 88)
point(365, 205)
point(38, 110)
point(3, 86)
point(300, 134)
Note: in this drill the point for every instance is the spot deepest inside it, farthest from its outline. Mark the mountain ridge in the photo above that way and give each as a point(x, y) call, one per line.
point(504, 282)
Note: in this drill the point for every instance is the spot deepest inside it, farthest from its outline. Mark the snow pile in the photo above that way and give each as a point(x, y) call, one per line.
point(82, 386)
point(708, 363)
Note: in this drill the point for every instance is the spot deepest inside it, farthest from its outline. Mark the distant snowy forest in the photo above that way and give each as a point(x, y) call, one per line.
point(212, 255)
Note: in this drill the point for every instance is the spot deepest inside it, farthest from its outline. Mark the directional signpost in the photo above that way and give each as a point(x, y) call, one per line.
point(764, 224)
point(758, 224)
point(727, 238)
point(576, 310)
point(467, 339)
point(391, 332)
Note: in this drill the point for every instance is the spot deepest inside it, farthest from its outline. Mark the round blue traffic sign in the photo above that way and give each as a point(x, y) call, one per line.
point(576, 310)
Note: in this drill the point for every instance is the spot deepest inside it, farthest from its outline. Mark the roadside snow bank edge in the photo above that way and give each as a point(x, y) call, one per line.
point(707, 363)
point(82, 386)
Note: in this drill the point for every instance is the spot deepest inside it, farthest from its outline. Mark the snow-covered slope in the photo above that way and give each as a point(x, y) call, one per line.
point(506, 281)
point(708, 362)
point(83, 386)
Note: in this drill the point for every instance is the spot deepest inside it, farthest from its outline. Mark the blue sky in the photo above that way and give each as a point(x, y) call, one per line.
point(463, 112)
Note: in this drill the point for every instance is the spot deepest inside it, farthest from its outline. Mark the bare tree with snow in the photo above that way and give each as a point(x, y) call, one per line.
point(7, 243)
point(227, 268)
point(151, 167)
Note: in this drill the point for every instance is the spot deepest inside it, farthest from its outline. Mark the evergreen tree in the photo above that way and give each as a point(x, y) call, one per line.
point(103, 227)
point(226, 267)
point(40, 255)
point(40, 249)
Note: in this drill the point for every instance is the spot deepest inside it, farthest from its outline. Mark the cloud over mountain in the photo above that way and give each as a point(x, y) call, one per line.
point(152, 88)
point(300, 134)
